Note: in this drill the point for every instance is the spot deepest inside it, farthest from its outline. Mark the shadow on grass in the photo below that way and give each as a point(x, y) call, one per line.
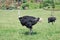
point(27, 33)
point(33, 33)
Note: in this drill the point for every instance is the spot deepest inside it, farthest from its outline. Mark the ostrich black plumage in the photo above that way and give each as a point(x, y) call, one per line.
point(51, 19)
point(29, 21)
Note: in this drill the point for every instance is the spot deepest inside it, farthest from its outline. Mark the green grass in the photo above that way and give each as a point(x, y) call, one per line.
point(11, 29)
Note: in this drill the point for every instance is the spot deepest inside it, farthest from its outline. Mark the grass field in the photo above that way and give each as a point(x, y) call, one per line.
point(11, 29)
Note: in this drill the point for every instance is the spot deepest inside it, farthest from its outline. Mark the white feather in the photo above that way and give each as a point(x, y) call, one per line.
point(40, 19)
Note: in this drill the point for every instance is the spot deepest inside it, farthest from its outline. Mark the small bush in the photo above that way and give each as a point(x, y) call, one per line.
point(25, 5)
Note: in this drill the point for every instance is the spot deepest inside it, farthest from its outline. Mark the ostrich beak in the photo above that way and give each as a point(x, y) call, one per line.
point(40, 20)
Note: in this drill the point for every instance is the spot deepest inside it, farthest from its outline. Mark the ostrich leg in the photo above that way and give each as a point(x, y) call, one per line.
point(30, 31)
point(52, 23)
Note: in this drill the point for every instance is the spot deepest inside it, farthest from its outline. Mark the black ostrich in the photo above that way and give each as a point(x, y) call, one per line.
point(51, 19)
point(29, 21)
